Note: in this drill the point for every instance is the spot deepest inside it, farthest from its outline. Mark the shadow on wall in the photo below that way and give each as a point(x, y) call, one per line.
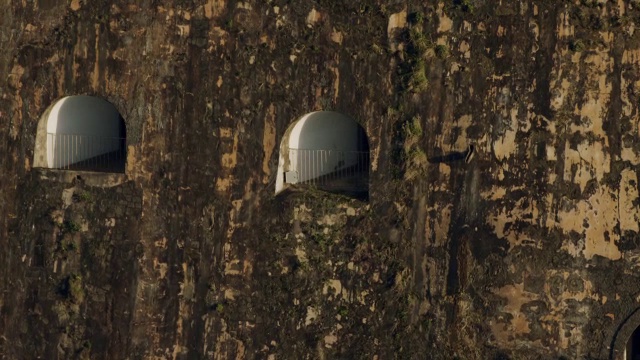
point(454, 156)
point(81, 133)
point(326, 150)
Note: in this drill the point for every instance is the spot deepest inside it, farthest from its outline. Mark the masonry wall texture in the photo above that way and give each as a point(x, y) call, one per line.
point(529, 251)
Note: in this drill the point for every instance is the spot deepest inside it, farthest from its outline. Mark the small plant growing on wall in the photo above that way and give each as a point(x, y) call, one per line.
point(415, 17)
point(76, 290)
point(68, 245)
point(419, 42)
point(442, 51)
point(85, 196)
point(69, 226)
point(418, 81)
point(419, 49)
point(413, 157)
point(72, 288)
point(412, 128)
point(577, 46)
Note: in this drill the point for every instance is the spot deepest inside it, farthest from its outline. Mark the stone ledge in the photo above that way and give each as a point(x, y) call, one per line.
point(91, 178)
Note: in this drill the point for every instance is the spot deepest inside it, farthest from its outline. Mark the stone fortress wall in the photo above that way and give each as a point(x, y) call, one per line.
point(528, 250)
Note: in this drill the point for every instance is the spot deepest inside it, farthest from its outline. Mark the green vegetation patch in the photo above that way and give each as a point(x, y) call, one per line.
point(72, 288)
point(69, 226)
point(442, 51)
point(414, 158)
point(418, 48)
point(577, 46)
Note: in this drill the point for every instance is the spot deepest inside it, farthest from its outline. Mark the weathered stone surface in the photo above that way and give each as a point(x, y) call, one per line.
point(529, 250)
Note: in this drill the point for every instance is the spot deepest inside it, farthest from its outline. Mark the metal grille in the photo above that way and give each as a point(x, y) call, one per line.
point(329, 169)
point(86, 152)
